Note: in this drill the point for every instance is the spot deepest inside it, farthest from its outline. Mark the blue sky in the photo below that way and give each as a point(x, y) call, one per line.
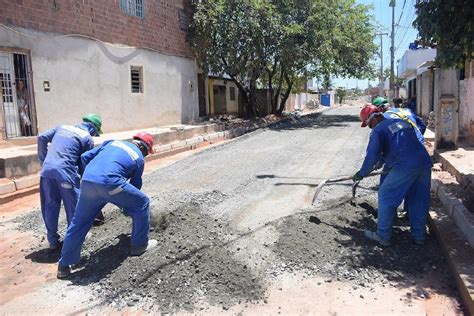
point(404, 34)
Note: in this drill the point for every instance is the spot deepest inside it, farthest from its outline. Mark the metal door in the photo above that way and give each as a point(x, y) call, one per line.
point(10, 108)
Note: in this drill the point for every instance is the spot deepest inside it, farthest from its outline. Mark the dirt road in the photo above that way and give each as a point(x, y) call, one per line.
point(241, 237)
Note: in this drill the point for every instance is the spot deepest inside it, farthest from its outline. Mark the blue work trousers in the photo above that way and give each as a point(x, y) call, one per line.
point(52, 192)
point(93, 198)
point(383, 175)
point(414, 187)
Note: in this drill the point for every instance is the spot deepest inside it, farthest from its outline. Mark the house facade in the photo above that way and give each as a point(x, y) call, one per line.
point(127, 60)
point(408, 65)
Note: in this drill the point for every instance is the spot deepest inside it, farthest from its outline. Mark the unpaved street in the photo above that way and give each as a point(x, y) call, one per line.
point(240, 236)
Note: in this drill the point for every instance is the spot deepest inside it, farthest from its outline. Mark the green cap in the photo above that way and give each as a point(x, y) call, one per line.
point(95, 119)
point(378, 101)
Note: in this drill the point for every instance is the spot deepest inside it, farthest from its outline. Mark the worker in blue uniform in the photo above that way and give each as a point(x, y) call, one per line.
point(395, 142)
point(408, 116)
point(59, 151)
point(113, 174)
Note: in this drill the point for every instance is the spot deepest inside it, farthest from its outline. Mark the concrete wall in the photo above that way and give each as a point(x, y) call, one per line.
point(424, 93)
point(89, 76)
point(412, 59)
point(446, 100)
point(232, 106)
point(466, 110)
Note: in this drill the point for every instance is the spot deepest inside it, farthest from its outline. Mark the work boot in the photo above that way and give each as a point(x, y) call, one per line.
point(138, 251)
point(63, 272)
point(373, 236)
point(57, 246)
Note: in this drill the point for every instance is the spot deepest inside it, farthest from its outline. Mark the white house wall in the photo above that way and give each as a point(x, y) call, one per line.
point(89, 76)
point(231, 106)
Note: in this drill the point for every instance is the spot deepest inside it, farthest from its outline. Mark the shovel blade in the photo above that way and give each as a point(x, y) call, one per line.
point(318, 190)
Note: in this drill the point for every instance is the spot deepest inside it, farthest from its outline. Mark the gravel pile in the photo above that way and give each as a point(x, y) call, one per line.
point(192, 260)
point(330, 242)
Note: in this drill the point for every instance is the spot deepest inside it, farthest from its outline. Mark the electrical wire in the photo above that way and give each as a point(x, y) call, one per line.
point(406, 32)
point(401, 13)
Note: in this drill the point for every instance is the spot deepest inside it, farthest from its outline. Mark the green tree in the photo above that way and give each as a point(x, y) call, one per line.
point(319, 39)
point(281, 43)
point(450, 25)
point(234, 37)
point(341, 93)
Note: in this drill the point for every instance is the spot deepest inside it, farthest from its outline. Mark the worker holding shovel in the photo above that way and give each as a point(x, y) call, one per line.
point(107, 171)
point(395, 142)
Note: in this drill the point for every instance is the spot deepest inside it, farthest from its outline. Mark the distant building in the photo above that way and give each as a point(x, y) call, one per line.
point(408, 64)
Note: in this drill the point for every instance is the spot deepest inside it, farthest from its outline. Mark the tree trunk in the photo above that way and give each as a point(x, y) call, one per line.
point(285, 96)
point(273, 96)
point(252, 104)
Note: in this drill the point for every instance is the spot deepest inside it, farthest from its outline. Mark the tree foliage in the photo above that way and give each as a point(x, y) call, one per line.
point(341, 93)
point(279, 44)
point(450, 25)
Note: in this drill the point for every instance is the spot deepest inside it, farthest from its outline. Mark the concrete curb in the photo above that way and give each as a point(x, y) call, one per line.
point(458, 254)
point(454, 208)
point(24, 161)
point(462, 176)
point(7, 186)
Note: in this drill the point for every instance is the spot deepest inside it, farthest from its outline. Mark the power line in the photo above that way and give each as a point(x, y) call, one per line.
point(401, 13)
point(406, 32)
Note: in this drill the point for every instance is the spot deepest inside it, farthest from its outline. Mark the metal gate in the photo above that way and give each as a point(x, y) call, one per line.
point(19, 115)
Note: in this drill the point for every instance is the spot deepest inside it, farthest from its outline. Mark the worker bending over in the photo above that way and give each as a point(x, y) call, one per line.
point(60, 173)
point(107, 171)
point(395, 142)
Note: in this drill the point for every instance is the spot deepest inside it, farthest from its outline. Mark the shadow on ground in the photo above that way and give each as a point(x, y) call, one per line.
point(315, 121)
point(45, 255)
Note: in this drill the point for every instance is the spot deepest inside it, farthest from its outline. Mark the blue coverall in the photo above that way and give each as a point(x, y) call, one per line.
point(107, 169)
point(60, 173)
point(395, 142)
point(394, 114)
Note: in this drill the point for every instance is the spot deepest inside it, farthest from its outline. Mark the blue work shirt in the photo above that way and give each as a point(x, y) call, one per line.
point(415, 121)
point(61, 159)
point(395, 142)
point(113, 163)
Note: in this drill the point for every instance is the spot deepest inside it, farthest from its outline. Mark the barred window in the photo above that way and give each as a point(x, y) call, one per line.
point(133, 7)
point(136, 79)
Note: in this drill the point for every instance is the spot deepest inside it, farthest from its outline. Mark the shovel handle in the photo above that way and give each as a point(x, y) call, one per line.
point(350, 177)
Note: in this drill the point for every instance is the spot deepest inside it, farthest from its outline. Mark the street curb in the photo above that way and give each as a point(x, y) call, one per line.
point(6, 186)
point(458, 254)
point(456, 210)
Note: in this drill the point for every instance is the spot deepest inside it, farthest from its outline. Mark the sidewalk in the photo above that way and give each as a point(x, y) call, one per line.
point(19, 165)
point(453, 185)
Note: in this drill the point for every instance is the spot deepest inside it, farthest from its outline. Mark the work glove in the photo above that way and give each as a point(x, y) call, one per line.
point(357, 177)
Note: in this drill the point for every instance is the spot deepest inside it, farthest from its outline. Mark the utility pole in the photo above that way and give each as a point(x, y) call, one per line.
point(392, 52)
point(381, 62)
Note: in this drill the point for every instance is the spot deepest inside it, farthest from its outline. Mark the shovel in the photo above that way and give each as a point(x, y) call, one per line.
point(326, 181)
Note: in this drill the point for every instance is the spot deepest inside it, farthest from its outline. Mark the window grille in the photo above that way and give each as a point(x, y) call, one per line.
point(136, 79)
point(133, 7)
